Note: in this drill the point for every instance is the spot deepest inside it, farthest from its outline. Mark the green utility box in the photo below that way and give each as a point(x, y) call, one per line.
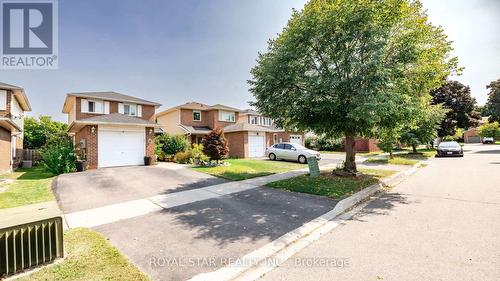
point(30, 236)
point(313, 167)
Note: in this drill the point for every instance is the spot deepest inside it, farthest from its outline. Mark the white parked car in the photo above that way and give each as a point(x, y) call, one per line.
point(488, 140)
point(291, 151)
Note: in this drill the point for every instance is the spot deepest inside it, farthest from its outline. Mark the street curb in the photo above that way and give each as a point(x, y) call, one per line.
point(257, 263)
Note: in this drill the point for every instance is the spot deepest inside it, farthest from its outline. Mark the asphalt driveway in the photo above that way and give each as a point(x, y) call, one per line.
point(181, 242)
point(101, 187)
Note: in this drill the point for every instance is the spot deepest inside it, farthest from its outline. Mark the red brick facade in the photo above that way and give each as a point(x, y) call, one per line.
point(5, 139)
point(209, 118)
point(91, 149)
point(150, 144)
point(366, 145)
point(238, 143)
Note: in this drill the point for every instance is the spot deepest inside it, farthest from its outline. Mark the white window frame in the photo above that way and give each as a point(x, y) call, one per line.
point(254, 120)
point(231, 114)
point(3, 100)
point(130, 106)
point(199, 112)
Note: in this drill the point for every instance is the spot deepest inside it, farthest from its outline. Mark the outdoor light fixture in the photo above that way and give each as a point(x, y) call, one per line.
point(92, 129)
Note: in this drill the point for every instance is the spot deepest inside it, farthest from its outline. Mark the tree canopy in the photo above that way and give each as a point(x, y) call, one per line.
point(352, 68)
point(456, 97)
point(215, 145)
point(38, 131)
point(491, 130)
point(493, 103)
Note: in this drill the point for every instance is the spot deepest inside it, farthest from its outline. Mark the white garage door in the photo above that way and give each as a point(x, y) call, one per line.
point(296, 139)
point(256, 146)
point(121, 148)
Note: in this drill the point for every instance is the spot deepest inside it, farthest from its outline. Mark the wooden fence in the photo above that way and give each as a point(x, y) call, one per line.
point(31, 155)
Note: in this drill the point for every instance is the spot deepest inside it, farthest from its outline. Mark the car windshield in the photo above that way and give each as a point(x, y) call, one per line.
point(298, 146)
point(449, 144)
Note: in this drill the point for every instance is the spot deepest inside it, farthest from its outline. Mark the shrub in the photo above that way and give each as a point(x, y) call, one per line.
point(489, 130)
point(58, 154)
point(184, 157)
point(215, 145)
point(328, 143)
point(167, 146)
point(310, 142)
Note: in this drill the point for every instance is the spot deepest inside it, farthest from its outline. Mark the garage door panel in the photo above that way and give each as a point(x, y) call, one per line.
point(256, 146)
point(121, 148)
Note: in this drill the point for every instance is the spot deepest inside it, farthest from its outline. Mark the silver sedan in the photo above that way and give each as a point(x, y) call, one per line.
point(291, 151)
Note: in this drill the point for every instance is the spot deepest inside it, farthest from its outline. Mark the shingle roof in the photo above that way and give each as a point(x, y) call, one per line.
point(116, 118)
point(114, 97)
point(238, 127)
point(200, 130)
point(9, 87)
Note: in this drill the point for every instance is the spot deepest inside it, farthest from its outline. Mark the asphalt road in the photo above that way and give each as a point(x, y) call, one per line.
point(443, 223)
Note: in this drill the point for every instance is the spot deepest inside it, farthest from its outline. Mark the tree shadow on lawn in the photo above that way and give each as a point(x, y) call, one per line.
point(250, 216)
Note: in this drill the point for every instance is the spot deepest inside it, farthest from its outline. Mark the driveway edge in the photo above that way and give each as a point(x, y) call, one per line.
point(257, 263)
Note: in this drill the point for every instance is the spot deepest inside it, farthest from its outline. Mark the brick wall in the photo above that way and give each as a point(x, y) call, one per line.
point(4, 113)
point(91, 144)
point(208, 119)
point(150, 144)
point(366, 145)
point(238, 143)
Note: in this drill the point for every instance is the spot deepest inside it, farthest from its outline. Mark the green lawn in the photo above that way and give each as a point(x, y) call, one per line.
point(88, 257)
point(29, 186)
point(241, 169)
point(330, 185)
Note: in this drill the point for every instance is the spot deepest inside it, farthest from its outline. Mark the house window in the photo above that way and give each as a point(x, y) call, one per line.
point(196, 115)
point(227, 116)
point(267, 121)
point(254, 120)
point(130, 109)
point(92, 106)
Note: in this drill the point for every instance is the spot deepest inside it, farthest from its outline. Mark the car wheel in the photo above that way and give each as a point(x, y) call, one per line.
point(272, 156)
point(302, 159)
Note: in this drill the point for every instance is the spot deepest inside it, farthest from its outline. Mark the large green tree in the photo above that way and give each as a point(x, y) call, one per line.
point(493, 103)
point(38, 131)
point(462, 113)
point(425, 128)
point(351, 68)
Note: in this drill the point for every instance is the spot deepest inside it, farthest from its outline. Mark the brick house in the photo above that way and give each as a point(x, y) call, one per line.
point(13, 104)
point(247, 131)
point(111, 129)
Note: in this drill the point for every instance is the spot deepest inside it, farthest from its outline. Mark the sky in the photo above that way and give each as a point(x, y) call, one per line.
point(178, 51)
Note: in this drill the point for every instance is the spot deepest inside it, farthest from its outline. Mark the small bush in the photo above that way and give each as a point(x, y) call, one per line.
point(325, 143)
point(58, 154)
point(167, 146)
point(184, 157)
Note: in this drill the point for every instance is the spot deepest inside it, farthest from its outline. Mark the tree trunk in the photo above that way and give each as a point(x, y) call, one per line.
point(350, 153)
point(414, 148)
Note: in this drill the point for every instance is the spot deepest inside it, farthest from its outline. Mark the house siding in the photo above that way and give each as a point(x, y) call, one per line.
point(148, 111)
point(169, 122)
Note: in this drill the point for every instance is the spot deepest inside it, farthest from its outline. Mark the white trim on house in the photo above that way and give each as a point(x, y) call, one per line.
point(230, 114)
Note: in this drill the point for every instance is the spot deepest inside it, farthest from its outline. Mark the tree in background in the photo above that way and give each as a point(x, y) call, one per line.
point(455, 97)
point(215, 145)
point(491, 130)
point(351, 68)
point(38, 131)
point(425, 128)
point(58, 154)
point(493, 103)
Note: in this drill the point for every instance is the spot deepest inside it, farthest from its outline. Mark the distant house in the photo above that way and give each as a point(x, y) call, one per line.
point(111, 129)
point(248, 132)
point(472, 134)
point(13, 104)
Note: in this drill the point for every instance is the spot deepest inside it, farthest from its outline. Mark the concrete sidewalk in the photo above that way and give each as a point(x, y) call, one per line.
point(126, 210)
